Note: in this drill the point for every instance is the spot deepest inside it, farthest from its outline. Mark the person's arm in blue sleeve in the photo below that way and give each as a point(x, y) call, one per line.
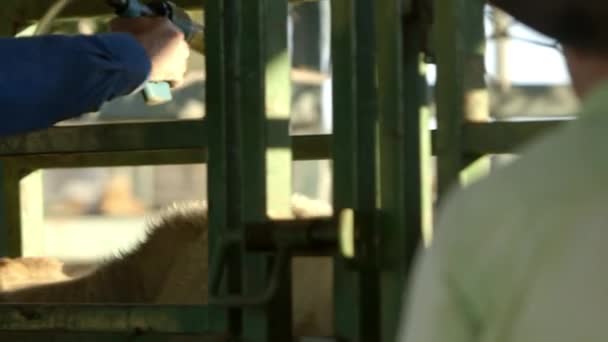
point(44, 80)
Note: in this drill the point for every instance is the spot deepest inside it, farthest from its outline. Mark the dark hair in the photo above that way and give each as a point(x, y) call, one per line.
point(579, 29)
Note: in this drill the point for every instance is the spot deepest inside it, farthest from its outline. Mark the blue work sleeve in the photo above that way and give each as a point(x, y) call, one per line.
point(44, 80)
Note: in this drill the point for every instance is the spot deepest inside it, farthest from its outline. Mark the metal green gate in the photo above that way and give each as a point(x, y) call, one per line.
point(380, 150)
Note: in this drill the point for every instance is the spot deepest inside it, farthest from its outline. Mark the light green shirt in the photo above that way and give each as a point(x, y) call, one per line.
point(522, 256)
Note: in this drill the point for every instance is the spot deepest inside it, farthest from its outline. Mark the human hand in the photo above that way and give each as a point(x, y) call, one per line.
point(164, 43)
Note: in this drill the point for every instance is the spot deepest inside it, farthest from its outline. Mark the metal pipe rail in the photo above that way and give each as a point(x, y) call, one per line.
point(92, 142)
point(117, 318)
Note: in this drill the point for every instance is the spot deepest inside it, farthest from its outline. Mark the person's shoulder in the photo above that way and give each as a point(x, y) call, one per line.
point(487, 230)
point(499, 204)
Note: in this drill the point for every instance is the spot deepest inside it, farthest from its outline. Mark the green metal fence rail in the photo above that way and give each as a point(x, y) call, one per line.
point(477, 138)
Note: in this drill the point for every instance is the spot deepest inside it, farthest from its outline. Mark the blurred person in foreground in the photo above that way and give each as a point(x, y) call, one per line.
point(47, 79)
point(519, 256)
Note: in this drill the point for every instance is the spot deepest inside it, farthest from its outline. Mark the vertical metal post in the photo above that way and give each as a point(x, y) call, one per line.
point(501, 27)
point(21, 210)
point(400, 98)
point(354, 140)
point(278, 92)
point(9, 19)
point(476, 95)
point(249, 146)
point(10, 208)
point(417, 207)
point(278, 106)
point(344, 116)
point(461, 90)
point(10, 218)
point(219, 93)
point(450, 55)
point(265, 110)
